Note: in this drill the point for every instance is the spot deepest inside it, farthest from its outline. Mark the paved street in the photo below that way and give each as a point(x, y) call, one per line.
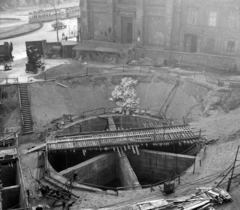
point(45, 33)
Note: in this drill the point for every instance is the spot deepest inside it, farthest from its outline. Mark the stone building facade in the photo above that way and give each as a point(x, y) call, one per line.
point(210, 27)
point(206, 26)
point(142, 22)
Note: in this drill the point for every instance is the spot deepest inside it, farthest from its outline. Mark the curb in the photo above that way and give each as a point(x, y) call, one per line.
point(10, 19)
point(24, 33)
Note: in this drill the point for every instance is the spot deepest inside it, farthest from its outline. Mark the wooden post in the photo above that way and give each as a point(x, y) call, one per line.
point(230, 180)
point(194, 166)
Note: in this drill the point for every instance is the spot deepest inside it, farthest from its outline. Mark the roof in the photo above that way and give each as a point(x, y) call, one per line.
point(69, 43)
point(91, 45)
point(8, 151)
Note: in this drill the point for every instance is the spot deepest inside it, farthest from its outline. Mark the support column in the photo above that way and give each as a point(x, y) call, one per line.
point(111, 124)
point(126, 174)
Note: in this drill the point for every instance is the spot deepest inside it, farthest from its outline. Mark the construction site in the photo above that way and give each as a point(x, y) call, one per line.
point(111, 117)
point(93, 135)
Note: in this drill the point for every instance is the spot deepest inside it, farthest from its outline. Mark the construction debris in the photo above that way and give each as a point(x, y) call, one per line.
point(203, 199)
point(147, 62)
point(61, 85)
point(125, 96)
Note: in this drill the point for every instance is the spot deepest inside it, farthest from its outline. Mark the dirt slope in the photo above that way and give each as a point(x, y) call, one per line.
point(213, 109)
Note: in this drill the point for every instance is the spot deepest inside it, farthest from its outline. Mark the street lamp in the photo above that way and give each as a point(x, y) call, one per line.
point(53, 4)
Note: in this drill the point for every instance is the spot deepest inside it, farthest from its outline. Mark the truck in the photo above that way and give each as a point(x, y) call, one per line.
point(58, 25)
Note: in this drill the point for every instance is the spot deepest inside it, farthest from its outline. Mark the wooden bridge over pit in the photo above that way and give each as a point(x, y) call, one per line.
point(125, 139)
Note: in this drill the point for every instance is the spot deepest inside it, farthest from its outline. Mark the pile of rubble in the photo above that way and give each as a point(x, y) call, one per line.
point(147, 61)
point(125, 97)
point(203, 199)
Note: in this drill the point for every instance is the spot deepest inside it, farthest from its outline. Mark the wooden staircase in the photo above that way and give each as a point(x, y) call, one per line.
point(25, 109)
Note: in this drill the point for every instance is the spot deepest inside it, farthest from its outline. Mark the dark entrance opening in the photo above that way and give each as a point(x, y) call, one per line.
point(126, 30)
point(190, 43)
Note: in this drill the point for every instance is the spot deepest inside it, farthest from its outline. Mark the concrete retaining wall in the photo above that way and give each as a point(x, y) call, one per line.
point(152, 166)
point(9, 173)
point(10, 197)
point(99, 170)
point(126, 174)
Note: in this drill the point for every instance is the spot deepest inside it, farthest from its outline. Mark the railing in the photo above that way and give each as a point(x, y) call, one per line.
point(109, 110)
point(7, 136)
point(8, 81)
point(95, 71)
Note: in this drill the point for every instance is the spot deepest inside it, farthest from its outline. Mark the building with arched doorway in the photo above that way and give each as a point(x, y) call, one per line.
point(141, 22)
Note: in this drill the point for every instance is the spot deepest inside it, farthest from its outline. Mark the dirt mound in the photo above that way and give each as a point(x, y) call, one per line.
point(63, 70)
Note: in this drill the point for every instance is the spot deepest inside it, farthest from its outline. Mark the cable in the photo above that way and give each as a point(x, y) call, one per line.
point(202, 180)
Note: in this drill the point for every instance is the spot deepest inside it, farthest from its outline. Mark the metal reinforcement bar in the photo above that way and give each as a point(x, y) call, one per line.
point(108, 133)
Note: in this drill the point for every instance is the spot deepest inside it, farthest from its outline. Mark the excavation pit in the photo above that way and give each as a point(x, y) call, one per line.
point(107, 169)
point(122, 165)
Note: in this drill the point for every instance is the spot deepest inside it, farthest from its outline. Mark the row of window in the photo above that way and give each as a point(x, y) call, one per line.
point(231, 46)
point(233, 18)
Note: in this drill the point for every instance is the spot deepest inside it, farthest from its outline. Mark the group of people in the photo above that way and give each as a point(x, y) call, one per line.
point(64, 37)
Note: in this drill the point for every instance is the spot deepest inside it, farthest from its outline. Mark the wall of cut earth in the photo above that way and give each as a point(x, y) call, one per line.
point(50, 100)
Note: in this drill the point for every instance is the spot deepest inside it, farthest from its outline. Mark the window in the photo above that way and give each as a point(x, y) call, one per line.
point(231, 46)
point(233, 19)
point(192, 16)
point(212, 18)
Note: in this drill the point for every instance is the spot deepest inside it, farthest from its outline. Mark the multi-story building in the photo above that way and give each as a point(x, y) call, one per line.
point(170, 28)
point(210, 26)
point(143, 22)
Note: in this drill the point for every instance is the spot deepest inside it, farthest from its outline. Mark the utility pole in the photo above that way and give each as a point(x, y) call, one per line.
point(53, 4)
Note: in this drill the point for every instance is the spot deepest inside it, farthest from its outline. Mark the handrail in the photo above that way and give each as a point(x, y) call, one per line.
point(130, 130)
point(19, 97)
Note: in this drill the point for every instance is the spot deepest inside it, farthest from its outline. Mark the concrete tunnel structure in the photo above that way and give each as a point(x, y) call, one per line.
point(135, 151)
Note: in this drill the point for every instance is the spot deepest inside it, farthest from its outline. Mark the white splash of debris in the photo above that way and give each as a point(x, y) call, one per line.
point(125, 97)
